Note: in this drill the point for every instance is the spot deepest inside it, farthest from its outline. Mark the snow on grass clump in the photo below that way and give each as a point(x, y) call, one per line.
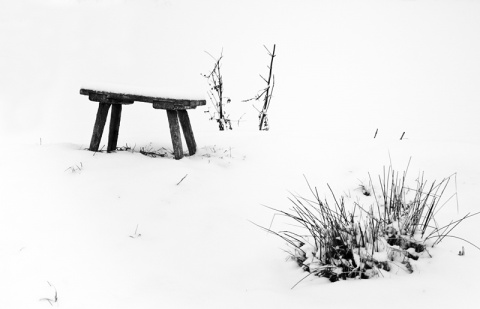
point(383, 228)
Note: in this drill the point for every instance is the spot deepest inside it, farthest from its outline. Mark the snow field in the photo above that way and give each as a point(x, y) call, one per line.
point(343, 70)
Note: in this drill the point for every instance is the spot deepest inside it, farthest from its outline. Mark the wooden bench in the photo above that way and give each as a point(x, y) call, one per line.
point(176, 110)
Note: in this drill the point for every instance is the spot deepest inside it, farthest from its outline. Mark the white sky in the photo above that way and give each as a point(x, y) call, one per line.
point(351, 65)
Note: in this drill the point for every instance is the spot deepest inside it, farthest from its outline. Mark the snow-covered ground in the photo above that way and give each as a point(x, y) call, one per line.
point(120, 231)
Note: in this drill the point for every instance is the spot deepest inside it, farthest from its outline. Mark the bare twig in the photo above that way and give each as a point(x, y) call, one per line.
point(182, 179)
point(53, 300)
point(215, 81)
point(101, 149)
point(266, 93)
point(135, 235)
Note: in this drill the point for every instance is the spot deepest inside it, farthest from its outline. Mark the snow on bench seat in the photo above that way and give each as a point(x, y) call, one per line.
point(118, 95)
point(192, 91)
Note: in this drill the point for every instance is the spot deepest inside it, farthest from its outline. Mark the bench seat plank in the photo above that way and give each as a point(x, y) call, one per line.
point(125, 98)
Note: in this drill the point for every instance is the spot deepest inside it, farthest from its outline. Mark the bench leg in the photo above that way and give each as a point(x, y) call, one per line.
point(114, 127)
point(175, 133)
point(99, 126)
point(187, 131)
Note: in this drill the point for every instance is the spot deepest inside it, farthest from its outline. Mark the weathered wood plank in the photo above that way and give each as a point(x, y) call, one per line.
point(102, 114)
point(179, 105)
point(103, 98)
point(187, 131)
point(175, 133)
point(161, 103)
point(115, 118)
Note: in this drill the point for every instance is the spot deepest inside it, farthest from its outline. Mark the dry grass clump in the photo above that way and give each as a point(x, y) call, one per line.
point(338, 242)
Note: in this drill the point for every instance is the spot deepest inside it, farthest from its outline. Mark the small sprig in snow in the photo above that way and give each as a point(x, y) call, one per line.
point(135, 235)
point(55, 297)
